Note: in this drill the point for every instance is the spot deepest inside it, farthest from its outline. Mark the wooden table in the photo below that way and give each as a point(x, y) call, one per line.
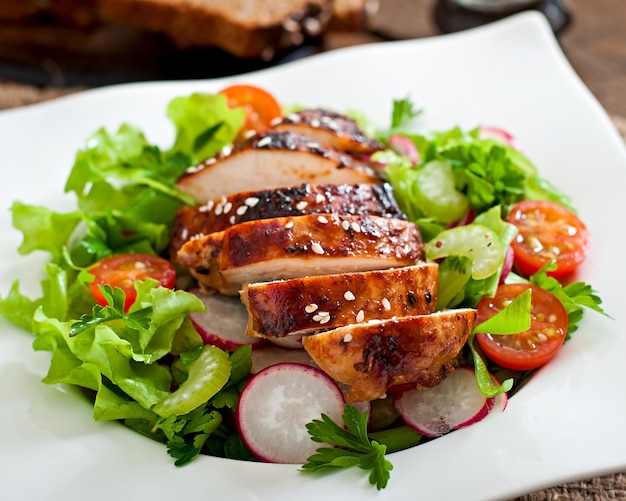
point(595, 44)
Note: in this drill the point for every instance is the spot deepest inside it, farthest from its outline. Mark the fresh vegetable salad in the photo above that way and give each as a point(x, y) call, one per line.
point(155, 349)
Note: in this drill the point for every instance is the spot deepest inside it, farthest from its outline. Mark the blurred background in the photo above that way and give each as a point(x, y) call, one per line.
point(52, 47)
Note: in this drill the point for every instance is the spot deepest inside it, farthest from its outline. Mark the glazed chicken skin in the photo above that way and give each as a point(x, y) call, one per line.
point(273, 160)
point(218, 215)
point(311, 304)
point(291, 247)
point(330, 129)
point(372, 357)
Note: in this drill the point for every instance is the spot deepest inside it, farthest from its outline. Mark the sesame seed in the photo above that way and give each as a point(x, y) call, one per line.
point(312, 145)
point(139, 265)
point(227, 207)
point(197, 236)
point(386, 304)
point(210, 161)
point(310, 308)
point(322, 220)
point(276, 121)
point(325, 320)
point(315, 123)
point(347, 338)
point(264, 141)
point(317, 318)
point(319, 198)
point(226, 150)
point(293, 117)
point(252, 201)
point(348, 296)
point(355, 226)
point(184, 234)
point(289, 225)
point(219, 208)
point(210, 204)
point(317, 248)
point(360, 316)
point(345, 225)
point(241, 210)
point(232, 219)
point(302, 205)
point(323, 313)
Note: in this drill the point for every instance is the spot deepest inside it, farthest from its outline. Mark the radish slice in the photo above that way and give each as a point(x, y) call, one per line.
point(292, 342)
point(268, 355)
point(507, 266)
point(224, 322)
point(404, 146)
point(501, 136)
point(275, 406)
point(455, 403)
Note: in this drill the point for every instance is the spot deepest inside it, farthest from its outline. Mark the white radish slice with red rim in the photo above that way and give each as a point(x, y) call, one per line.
point(267, 355)
point(291, 342)
point(276, 405)
point(404, 146)
point(454, 403)
point(501, 136)
point(224, 322)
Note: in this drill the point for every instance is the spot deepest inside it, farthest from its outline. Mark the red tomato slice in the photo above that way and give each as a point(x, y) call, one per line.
point(260, 106)
point(547, 232)
point(532, 348)
point(122, 270)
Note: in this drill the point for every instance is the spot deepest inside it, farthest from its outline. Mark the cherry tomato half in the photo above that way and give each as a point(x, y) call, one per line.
point(260, 106)
point(547, 232)
point(532, 348)
point(122, 270)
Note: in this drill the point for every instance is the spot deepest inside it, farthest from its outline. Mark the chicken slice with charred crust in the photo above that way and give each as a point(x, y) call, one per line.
point(329, 128)
point(273, 160)
point(217, 215)
point(310, 304)
point(375, 356)
point(291, 247)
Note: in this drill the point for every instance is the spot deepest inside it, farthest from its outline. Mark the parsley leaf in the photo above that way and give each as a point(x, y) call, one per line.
point(352, 447)
point(138, 320)
point(187, 434)
point(403, 113)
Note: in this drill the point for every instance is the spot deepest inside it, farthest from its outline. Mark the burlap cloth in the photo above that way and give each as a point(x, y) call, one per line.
point(609, 487)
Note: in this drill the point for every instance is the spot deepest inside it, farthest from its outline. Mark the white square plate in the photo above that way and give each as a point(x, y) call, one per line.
point(567, 423)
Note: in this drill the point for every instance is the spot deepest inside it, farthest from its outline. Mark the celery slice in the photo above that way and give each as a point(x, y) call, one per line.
point(207, 375)
point(436, 194)
point(476, 242)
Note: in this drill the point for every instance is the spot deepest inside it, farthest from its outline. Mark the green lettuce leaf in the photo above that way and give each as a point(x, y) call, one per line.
point(204, 124)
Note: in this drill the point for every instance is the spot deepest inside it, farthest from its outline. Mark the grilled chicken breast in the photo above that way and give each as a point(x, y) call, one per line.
point(329, 128)
point(374, 356)
point(291, 247)
point(273, 160)
point(217, 215)
point(310, 304)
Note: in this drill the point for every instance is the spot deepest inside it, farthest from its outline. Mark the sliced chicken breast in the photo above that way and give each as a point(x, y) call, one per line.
point(273, 160)
point(374, 356)
point(329, 128)
point(217, 215)
point(291, 247)
point(311, 304)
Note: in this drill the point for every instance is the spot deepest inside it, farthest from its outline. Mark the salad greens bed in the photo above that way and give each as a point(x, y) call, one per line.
point(138, 366)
